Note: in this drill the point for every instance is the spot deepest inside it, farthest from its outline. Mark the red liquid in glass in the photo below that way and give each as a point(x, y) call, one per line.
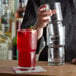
point(26, 44)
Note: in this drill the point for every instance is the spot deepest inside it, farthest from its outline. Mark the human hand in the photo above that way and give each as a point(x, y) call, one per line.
point(43, 16)
point(43, 19)
point(74, 61)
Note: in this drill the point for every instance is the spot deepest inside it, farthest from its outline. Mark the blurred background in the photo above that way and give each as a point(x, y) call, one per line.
point(11, 17)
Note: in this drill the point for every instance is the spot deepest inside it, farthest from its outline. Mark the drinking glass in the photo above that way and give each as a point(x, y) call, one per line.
point(26, 45)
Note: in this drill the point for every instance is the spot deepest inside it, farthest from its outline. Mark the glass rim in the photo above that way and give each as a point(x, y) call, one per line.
point(25, 30)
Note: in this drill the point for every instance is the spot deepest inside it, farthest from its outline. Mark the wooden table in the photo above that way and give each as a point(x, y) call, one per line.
point(64, 70)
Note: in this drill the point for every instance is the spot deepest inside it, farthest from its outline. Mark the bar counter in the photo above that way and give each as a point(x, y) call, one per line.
point(65, 70)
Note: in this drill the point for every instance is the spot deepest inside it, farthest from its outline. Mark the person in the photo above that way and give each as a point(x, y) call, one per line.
point(34, 15)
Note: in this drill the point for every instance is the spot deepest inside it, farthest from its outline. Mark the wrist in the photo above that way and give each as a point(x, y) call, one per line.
point(39, 30)
point(39, 25)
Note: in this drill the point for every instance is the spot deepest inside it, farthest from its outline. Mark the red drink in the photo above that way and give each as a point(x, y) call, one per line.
point(26, 44)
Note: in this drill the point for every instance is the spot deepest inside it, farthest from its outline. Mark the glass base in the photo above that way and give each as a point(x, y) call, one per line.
point(55, 63)
point(26, 68)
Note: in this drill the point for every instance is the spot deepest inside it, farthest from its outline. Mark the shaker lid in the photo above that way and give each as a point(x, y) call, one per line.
point(58, 11)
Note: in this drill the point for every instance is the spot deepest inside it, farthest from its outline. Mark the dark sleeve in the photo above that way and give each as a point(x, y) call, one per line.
point(70, 27)
point(66, 11)
point(30, 15)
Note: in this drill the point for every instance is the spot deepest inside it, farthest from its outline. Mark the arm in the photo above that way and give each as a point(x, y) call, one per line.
point(30, 18)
